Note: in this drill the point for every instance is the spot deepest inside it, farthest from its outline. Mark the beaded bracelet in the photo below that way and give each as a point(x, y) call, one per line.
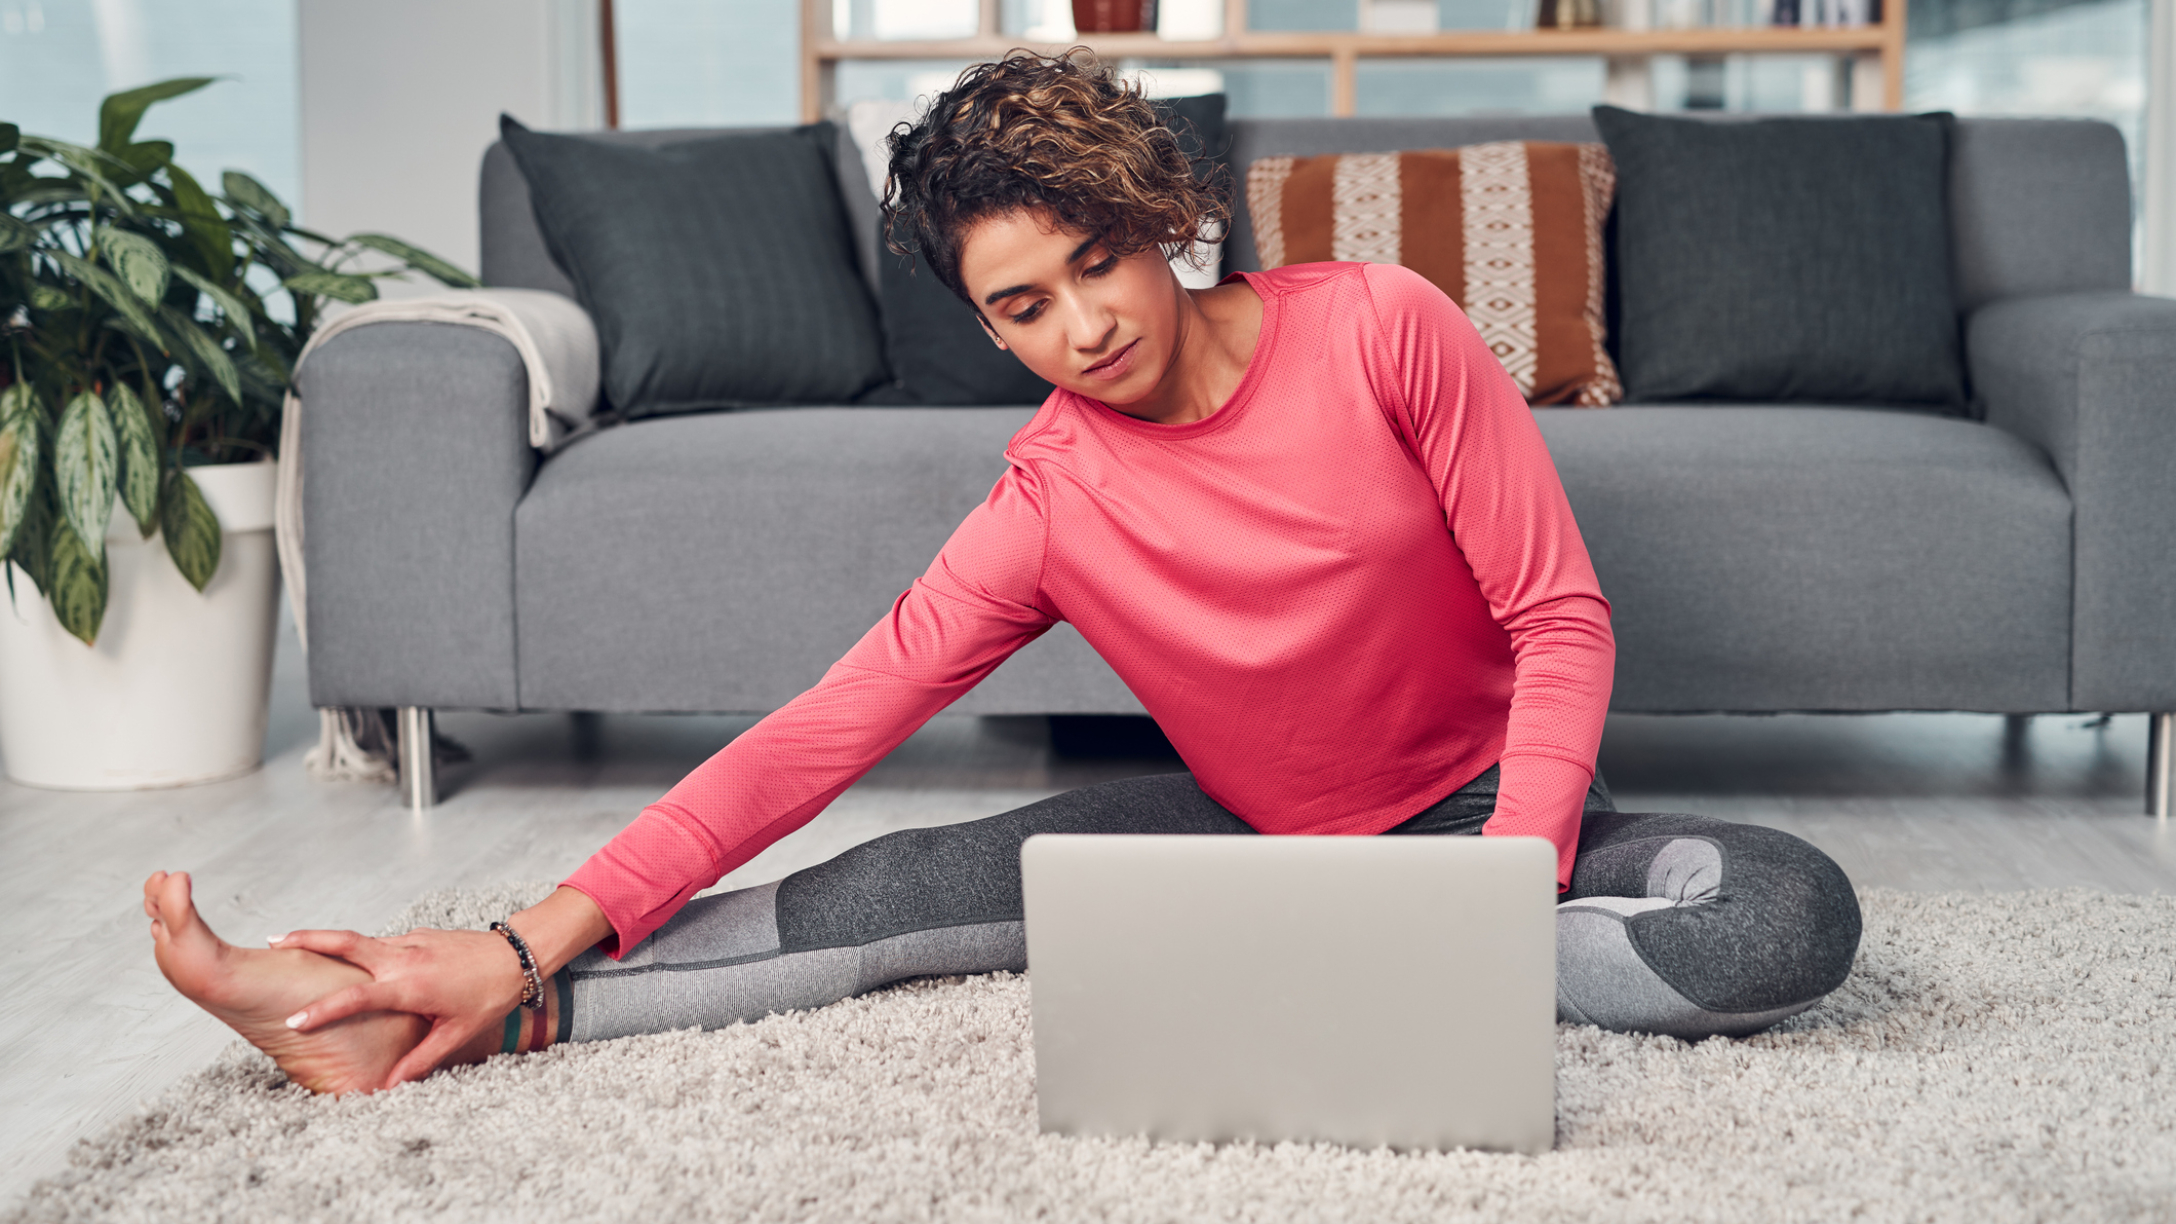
point(532, 988)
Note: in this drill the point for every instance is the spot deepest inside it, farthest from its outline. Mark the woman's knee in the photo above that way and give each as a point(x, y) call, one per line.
point(1735, 920)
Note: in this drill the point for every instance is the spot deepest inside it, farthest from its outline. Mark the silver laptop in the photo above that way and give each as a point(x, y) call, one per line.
point(1368, 991)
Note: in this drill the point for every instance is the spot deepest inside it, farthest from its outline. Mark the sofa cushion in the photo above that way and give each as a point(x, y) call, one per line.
point(1254, 139)
point(1798, 259)
point(719, 271)
point(1511, 230)
point(1821, 558)
point(936, 351)
point(722, 562)
point(2036, 205)
point(1756, 558)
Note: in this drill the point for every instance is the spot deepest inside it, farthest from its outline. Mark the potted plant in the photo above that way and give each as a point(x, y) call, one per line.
point(148, 329)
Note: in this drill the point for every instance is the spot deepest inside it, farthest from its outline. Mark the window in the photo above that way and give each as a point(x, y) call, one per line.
point(708, 63)
point(59, 57)
point(2032, 57)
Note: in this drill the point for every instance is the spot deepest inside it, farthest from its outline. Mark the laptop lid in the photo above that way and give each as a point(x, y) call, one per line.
point(1368, 991)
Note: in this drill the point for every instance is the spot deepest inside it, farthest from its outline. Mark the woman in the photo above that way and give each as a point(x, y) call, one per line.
point(1304, 514)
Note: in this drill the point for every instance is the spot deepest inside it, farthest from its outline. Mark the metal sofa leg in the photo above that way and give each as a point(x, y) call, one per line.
point(418, 778)
point(2160, 763)
point(2016, 740)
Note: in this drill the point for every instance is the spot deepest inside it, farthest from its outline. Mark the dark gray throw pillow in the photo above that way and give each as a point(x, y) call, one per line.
point(1784, 259)
point(938, 352)
point(719, 271)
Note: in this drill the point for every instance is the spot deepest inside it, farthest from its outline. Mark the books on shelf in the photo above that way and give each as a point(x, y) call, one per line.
point(1836, 12)
point(1704, 14)
point(1817, 14)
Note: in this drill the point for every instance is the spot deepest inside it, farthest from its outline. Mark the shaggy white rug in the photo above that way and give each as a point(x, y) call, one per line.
point(1994, 1057)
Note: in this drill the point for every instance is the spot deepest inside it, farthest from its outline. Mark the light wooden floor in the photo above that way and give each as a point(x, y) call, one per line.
point(88, 1029)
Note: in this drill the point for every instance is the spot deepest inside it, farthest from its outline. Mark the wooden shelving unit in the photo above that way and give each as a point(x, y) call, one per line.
point(1880, 45)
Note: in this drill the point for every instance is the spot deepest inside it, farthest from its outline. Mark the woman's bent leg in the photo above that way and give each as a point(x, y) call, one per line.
point(915, 902)
point(1696, 927)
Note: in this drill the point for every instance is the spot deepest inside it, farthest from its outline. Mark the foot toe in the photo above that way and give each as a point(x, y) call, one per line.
point(175, 906)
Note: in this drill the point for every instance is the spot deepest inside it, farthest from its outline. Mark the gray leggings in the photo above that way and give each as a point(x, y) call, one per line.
point(1673, 924)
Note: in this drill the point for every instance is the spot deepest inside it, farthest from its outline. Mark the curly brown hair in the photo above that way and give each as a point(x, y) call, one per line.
point(1056, 134)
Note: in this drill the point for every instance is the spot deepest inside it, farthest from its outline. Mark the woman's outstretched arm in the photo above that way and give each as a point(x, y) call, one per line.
point(978, 603)
point(975, 606)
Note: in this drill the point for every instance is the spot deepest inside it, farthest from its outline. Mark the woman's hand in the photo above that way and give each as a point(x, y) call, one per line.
point(463, 982)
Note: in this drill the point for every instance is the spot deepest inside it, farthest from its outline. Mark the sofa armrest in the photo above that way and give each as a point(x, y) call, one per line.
point(415, 445)
point(2090, 378)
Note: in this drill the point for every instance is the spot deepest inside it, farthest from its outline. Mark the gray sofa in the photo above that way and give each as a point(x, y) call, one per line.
point(1759, 557)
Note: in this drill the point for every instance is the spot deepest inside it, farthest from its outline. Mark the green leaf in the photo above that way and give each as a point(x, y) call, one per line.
point(11, 448)
point(14, 235)
point(22, 438)
point(230, 306)
point(9, 135)
point(270, 246)
point(419, 259)
point(140, 469)
point(33, 549)
point(261, 379)
point(146, 156)
point(86, 468)
point(140, 262)
point(77, 584)
point(109, 289)
point(191, 529)
point(17, 398)
point(50, 191)
point(154, 339)
point(254, 196)
point(119, 114)
point(336, 285)
point(88, 164)
point(311, 235)
point(46, 297)
point(200, 345)
point(15, 175)
point(208, 231)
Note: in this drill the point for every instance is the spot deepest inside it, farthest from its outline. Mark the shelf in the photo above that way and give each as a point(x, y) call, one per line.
point(1877, 51)
point(1336, 44)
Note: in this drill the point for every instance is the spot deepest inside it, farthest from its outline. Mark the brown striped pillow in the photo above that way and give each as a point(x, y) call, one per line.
point(1512, 231)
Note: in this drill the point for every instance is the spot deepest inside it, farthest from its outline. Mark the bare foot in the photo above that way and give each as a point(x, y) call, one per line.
point(254, 991)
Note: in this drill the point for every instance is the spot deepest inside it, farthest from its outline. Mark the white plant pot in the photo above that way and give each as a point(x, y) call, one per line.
point(177, 688)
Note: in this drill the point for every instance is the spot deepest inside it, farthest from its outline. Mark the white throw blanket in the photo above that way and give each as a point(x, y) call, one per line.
point(558, 347)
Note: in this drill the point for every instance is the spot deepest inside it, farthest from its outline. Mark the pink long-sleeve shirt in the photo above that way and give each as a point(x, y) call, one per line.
point(1343, 595)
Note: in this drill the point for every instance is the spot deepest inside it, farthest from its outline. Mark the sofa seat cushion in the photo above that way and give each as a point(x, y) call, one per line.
point(1808, 558)
point(1756, 558)
point(722, 562)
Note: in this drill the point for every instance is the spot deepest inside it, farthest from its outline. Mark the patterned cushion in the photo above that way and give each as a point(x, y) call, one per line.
point(1512, 231)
